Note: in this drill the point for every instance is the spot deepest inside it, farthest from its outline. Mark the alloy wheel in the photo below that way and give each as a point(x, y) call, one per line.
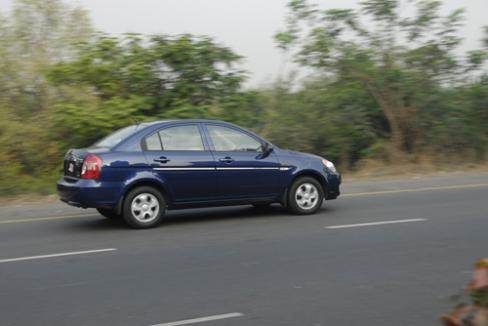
point(307, 196)
point(145, 207)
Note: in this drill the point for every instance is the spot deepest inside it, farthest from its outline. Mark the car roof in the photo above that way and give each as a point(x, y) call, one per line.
point(150, 123)
point(162, 122)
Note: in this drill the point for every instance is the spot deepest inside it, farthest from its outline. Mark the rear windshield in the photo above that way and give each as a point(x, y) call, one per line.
point(116, 137)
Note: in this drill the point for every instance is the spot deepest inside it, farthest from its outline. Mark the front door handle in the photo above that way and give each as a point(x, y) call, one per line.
point(162, 159)
point(226, 159)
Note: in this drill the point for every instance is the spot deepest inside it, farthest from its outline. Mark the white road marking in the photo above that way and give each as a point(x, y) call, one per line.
point(201, 319)
point(375, 223)
point(72, 253)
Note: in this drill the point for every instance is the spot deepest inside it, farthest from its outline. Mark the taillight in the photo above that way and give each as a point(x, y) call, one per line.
point(91, 167)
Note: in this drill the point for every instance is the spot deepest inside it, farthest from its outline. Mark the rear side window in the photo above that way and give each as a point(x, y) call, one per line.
point(115, 138)
point(178, 138)
point(153, 143)
point(227, 139)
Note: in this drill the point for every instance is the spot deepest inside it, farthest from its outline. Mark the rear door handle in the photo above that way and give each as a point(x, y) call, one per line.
point(226, 159)
point(162, 159)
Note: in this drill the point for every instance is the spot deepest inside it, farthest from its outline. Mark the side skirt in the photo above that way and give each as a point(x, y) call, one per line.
point(227, 202)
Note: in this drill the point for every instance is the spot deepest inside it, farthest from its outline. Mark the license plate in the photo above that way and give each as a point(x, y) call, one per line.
point(71, 167)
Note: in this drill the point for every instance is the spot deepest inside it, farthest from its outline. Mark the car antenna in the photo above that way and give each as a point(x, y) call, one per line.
point(135, 121)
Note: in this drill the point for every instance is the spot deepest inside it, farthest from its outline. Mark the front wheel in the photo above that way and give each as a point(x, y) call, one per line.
point(305, 196)
point(144, 207)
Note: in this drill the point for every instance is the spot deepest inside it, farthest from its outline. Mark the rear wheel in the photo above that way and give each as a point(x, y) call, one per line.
point(144, 207)
point(108, 213)
point(305, 196)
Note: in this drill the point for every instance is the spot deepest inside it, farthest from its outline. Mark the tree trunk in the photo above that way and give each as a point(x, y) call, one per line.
point(390, 112)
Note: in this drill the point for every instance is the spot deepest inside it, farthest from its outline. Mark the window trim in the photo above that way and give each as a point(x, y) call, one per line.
point(144, 143)
point(199, 128)
point(235, 128)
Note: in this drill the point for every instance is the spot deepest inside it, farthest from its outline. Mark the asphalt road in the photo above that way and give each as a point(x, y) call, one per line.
point(385, 253)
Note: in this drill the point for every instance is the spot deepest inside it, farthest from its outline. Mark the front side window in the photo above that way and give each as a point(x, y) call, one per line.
point(227, 139)
point(178, 138)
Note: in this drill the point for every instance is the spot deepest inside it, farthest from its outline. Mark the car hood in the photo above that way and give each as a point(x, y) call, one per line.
point(299, 154)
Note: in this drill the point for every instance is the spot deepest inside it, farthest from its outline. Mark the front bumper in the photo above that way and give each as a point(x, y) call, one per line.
point(86, 193)
point(333, 186)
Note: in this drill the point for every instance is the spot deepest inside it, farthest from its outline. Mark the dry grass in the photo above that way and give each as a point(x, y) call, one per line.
point(373, 169)
point(28, 199)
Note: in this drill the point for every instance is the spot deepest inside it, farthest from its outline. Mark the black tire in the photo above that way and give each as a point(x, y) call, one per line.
point(293, 204)
point(135, 222)
point(108, 213)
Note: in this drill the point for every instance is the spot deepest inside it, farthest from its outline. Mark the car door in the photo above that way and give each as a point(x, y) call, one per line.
point(243, 169)
point(182, 159)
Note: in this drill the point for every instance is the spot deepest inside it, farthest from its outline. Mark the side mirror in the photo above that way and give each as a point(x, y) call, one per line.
point(267, 149)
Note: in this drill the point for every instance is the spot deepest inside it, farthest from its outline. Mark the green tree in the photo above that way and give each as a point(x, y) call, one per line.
point(337, 121)
point(35, 35)
point(38, 34)
point(401, 61)
point(135, 77)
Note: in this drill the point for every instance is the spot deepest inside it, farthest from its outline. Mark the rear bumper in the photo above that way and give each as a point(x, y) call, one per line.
point(87, 193)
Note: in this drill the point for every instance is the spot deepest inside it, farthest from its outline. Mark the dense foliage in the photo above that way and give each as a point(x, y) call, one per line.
point(383, 86)
point(133, 79)
point(407, 65)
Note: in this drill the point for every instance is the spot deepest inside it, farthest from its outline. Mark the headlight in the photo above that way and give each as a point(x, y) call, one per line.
point(329, 165)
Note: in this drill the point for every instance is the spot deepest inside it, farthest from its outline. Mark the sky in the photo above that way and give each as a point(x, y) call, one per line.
point(247, 26)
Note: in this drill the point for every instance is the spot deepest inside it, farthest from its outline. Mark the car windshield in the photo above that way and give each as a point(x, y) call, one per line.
point(116, 137)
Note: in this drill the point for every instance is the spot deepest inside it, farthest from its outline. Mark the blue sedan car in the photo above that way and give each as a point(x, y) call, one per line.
point(143, 170)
